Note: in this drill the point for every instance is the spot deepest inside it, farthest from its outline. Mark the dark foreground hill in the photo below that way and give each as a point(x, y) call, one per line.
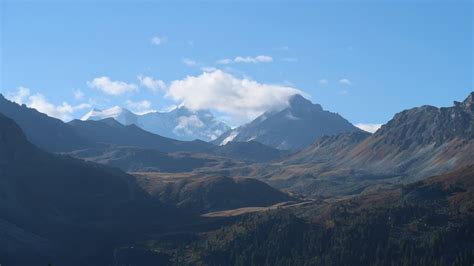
point(70, 212)
point(55, 208)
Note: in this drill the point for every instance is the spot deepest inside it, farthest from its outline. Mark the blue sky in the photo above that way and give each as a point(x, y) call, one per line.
point(362, 59)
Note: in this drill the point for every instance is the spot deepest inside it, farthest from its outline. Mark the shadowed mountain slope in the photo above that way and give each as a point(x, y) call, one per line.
point(45, 195)
point(110, 131)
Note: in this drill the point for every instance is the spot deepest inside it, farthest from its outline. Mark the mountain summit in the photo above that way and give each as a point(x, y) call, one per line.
point(467, 104)
point(298, 102)
point(293, 128)
point(118, 113)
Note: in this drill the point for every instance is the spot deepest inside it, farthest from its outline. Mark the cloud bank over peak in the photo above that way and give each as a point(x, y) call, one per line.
point(241, 99)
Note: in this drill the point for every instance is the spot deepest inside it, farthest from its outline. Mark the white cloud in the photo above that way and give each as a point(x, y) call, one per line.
point(189, 62)
point(323, 81)
point(345, 81)
point(257, 59)
point(40, 103)
point(140, 107)
point(186, 124)
point(243, 99)
point(20, 95)
point(78, 95)
point(111, 87)
point(153, 84)
point(157, 40)
point(247, 59)
point(63, 111)
point(225, 61)
point(208, 69)
point(368, 127)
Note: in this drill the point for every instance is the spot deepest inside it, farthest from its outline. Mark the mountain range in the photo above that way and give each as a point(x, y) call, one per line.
point(180, 123)
point(421, 141)
point(53, 135)
point(339, 196)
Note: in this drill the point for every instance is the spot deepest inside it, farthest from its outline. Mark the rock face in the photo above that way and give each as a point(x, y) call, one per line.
point(292, 128)
point(421, 141)
point(328, 147)
point(428, 125)
point(179, 123)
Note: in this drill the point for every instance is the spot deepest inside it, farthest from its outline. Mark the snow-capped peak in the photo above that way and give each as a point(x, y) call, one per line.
point(118, 113)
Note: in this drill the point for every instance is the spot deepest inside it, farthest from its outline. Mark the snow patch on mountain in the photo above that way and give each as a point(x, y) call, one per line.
point(230, 138)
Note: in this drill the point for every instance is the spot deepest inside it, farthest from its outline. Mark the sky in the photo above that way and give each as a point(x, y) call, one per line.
point(365, 60)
